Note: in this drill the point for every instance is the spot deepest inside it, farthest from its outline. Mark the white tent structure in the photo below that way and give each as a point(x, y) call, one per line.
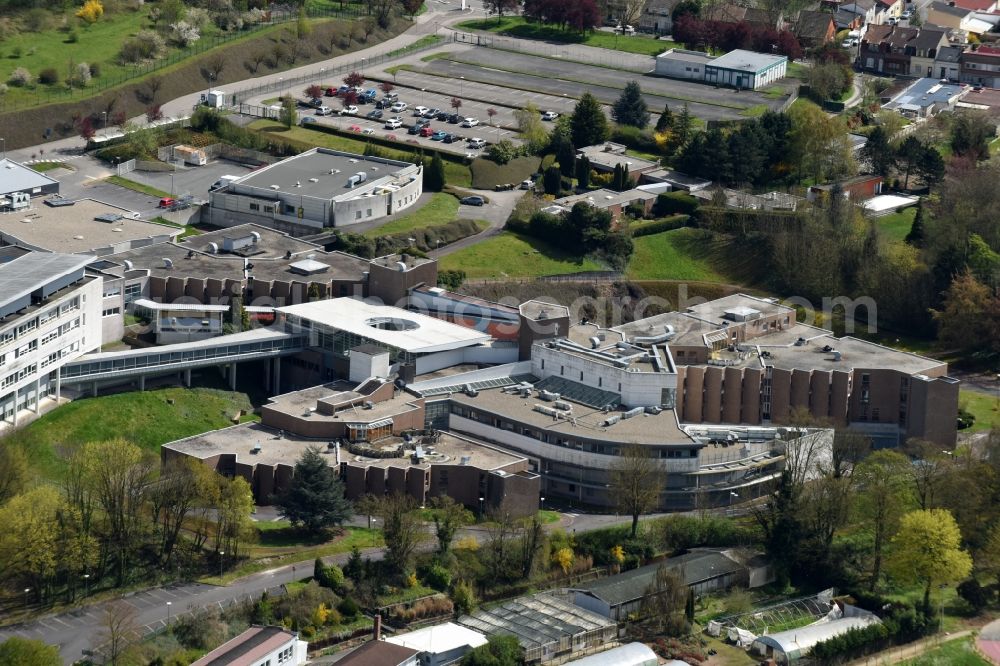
point(789, 646)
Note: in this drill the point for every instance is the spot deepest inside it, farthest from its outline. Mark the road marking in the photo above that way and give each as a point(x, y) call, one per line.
point(56, 619)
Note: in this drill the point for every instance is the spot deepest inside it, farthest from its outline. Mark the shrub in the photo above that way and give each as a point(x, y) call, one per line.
point(48, 76)
point(146, 45)
point(81, 75)
point(552, 180)
point(91, 11)
point(36, 19)
point(463, 597)
point(635, 138)
point(184, 34)
point(20, 77)
point(680, 533)
point(503, 151)
point(95, 70)
point(670, 203)
point(72, 37)
point(3, 88)
point(16, 52)
point(658, 226)
point(437, 577)
point(348, 608)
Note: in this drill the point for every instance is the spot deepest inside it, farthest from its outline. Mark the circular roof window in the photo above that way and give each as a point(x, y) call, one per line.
point(392, 324)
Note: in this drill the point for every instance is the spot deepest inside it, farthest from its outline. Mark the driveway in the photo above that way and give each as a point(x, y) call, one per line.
point(496, 212)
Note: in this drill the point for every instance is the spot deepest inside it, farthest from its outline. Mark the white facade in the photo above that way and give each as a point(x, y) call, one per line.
point(35, 345)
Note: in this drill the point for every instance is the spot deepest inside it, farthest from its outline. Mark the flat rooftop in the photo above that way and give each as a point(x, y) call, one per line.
point(283, 448)
point(439, 638)
point(587, 422)
point(747, 61)
point(854, 353)
point(926, 92)
point(541, 310)
point(16, 177)
point(688, 330)
point(36, 273)
point(409, 331)
point(714, 311)
point(189, 262)
point(74, 229)
point(296, 403)
point(247, 648)
point(320, 173)
point(271, 244)
point(604, 198)
point(684, 55)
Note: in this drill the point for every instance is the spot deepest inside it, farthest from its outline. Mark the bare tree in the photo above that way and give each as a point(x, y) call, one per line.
point(402, 529)
point(530, 542)
point(118, 630)
point(500, 528)
point(636, 481)
point(664, 602)
point(214, 66)
point(256, 60)
point(154, 84)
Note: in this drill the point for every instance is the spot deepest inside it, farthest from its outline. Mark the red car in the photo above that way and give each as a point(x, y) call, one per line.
point(331, 92)
point(426, 131)
point(167, 202)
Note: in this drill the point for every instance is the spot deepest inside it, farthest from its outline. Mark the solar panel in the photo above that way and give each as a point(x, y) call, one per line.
point(581, 393)
point(59, 203)
point(108, 217)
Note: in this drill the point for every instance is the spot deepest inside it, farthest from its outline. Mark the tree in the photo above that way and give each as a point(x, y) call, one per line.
point(665, 121)
point(386, 87)
point(827, 80)
point(974, 594)
point(434, 178)
point(233, 508)
point(29, 538)
point(401, 528)
point(630, 108)
point(971, 134)
point(530, 127)
point(917, 235)
point(118, 630)
point(313, 91)
point(491, 112)
point(411, 7)
point(28, 652)
point(449, 516)
point(354, 79)
point(927, 549)
point(456, 104)
point(588, 124)
point(315, 496)
point(636, 481)
point(288, 115)
point(884, 492)
point(13, 470)
point(502, 650)
point(257, 59)
point(302, 26)
point(85, 127)
point(368, 25)
point(962, 322)
point(583, 172)
point(498, 7)
point(153, 113)
point(930, 166)
point(566, 157)
point(664, 604)
point(552, 180)
point(910, 152)
point(878, 153)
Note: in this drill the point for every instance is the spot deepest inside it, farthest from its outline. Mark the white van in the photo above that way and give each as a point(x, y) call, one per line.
point(222, 182)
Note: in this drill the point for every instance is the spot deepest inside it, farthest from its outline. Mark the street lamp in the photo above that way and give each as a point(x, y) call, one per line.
point(371, 523)
point(462, 86)
point(542, 502)
point(171, 183)
point(222, 555)
point(482, 500)
point(26, 591)
point(105, 122)
point(363, 66)
point(3, 142)
point(86, 583)
point(169, 603)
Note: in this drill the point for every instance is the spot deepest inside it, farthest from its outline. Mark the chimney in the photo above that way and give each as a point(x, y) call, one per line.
point(378, 626)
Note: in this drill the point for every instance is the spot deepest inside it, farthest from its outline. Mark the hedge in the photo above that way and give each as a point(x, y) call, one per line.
point(671, 203)
point(658, 226)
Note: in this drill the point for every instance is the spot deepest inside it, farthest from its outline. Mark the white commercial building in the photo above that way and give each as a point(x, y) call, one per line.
point(441, 644)
point(317, 189)
point(740, 69)
point(50, 314)
point(259, 646)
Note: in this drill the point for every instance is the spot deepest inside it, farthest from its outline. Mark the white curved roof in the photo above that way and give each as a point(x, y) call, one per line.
point(798, 642)
point(630, 654)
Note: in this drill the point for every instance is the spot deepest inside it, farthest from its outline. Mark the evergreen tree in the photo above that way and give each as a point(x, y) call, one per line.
point(566, 156)
point(878, 153)
point(631, 109)
point(916, 236)
point(583, 172)
point(552, 180)
point(315, 496)
point(665, 121)
point(682, 126)
point(434, 179)
point(588, 124)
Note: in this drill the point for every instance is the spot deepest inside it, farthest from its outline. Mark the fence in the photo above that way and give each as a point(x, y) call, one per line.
point(282, 85)
point(126, 167)
point(101, 83)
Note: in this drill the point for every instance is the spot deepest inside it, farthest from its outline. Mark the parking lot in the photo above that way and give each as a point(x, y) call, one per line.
point(189, 179)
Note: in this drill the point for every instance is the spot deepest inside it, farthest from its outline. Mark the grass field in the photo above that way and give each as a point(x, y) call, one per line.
point(983, 407)
point(671, 255)
point(454, 173)
point(514, 255)
point(189, 230)
point(895, 226)
point(145, 418)
point(959, 652)
point(141, 188)
point(515, 26)
point(42, 167)
point(441, 209)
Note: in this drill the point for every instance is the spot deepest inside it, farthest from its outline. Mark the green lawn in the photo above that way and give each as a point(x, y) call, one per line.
point(671, 255)
point(145, 418)
point(189, 230)
point(441, 209)
point(755, 111)
point(515, 255)
point(983, 406)
point(958, 652)
point(141, 188)
point(515, 26)
point(895, 226)
point(42, 167)
point(455, 174)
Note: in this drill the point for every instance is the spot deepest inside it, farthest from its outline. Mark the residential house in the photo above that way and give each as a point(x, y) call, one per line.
point(859, 188)
point(926, 98)
point(259, 646)
point(815, 28)
point(864, 9)
point(947, 15)
point(981, 66)
point(847, 20)
point(606, 156)
point(761, 18)
point(381, 653)
point(888, 9)
point(947, 63)
point(884, 49)
point(440, 644)
point(924, 49)
point(657, 17)
point(614, 202)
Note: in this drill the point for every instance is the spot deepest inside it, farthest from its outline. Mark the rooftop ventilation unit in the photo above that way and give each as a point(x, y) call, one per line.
point(611, 420)
point(276, 187)
point(369, 404)
point(167, 263)
point(563, 405)
point(548, 396)
point(255, 449)
point(469, 391)
point(314, 180)
point(465, 460)
point(213, 248)
point(636, 411)
point(544, 409)
point(298, 183)
point(127, 264)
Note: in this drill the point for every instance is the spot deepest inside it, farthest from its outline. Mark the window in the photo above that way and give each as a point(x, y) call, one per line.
point(7, 337)
point(132, 292)
point(46, 316)
point(269, 209)
point(255, 207)
point(112, 290)
point(30, 347)
point(27, 326)
point(110, 312)
point(369, 213)
point(357, 215)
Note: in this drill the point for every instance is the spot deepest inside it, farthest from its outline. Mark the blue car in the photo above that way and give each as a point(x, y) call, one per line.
point(438, 136)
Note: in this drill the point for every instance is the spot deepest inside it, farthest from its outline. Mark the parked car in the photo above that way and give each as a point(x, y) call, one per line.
point(374, 114)
point(307, 120)
point(527, 184)
point(419, 110)
point(438, 136)
point(324, 111)
point(316, 101)
point(398, 107)
point(450, 138)
point(414, 129)
point(167, 202)
point(550, 115)
point(443, 115)
point(391, 97)
point(472, 201)
point(342, 89)
point(354, 128)
point(426, 131)
point(349, 111)
point(454, 119)
point(470, 122)
point(370, 95)
point(849, 43)
point(431, 113)
point(331, 92)
point(476, 143)
point(394, 123)
point(368, 130)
